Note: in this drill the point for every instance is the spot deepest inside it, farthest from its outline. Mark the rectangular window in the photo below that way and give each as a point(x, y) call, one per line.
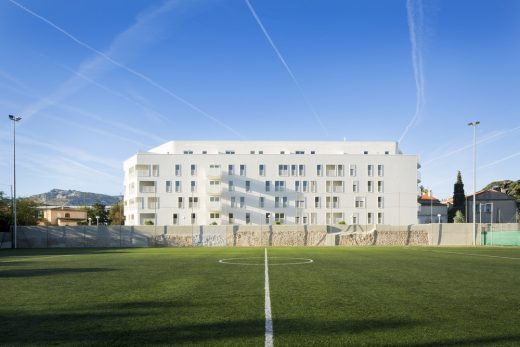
point(193, 186)
point(188, 152)
point(193, 202)
point(380, 202)
point(352, 170)
point(155, 170)
point(370, 170)
point(231, 169)
point(341, 170)
point(231, 186)
point(248, 186)
point(279, 217)
point(355, 186)
point(178, 170)
point(230, 152)
point(214, 199)
point(193, 218)
point(177, 186)
point(370, 186)
point(387, 152)
point(283, 170)
point(267, 186)
point(193, 169)
point(380, 219)
point(242, 170)
point(370, 218)
point(214, 215)
point(314, 218)
point(294, 171)
point(261, 202)
point(168, 186)
point(267, 217)
point(300, 203)
point(304, 219)
point(360, 202)
point(380, 170)
point(331, 170)
point(231, 220)
point(319, 170)
point(261, 170)
point(305, 186)
point(260, 152)
point(300, 152)
point(297, 186)
point(242, 202)
point(175, 219)
point(279, 186)
point(233, 202)
point(180, 202)
point(317, 203)
point(284, 202)
point(277, 202)
point(251, 152)
point(314, 186)
point(380, 187)
point(248, 218)
point(301, 170)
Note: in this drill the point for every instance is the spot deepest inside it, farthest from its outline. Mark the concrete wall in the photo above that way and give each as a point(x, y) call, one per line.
point(245, 235)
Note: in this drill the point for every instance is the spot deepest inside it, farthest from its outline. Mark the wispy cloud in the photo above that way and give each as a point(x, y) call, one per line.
point(96, 65)
point(289, 71)
point(415, 27)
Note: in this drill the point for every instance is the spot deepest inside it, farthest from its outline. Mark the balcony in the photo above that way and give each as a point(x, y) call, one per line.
point(214, 172)
point(214, 206)
point(214, 189)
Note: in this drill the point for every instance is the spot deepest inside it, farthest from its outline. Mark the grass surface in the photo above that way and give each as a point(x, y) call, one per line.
point(347, 296)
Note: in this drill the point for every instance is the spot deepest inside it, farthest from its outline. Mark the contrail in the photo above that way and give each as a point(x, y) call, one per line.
point(284, 63)
point(128, 69)
point(415, 25)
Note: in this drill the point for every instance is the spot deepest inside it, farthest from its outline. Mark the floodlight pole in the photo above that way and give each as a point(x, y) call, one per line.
point(14, 119)
point(474, 125)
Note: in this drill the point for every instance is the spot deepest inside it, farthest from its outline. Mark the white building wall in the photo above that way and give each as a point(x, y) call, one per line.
point(399, 182)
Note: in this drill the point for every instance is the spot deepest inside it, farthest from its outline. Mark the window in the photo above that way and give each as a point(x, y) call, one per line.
point(188, 152)
point(355, 218)
point(233, 201)
point(231, 186)
point(180, 202)
point(305, 186)
point(155, 170)
point(313, 152)
point(261, 170)
point(277, 202)
point(380, 219)
point(248, 218)
point(260, 152)
point(370, 218)
point(283, 170)
point(67, 215)
point(231, 220)
point(214, 199)
point(279, 186)
point(301, 170)
point(178, 170)
point(317, 203)
point(294, 171)
point(341, 170)
point(242, 170)
point(314, 186)
point(230, 152)
point(175, 219)
point(193, 186)
point(214, 215)
point(282, 152)
point(380, 170)
point(387, 152)
point(231, 169)
point(193, 202)
point(355, 187)
point(314, 218)
point(335, 202)
point(297, 186)
point(267, 186)
point(365, 152)
point(370, 170)
point(330, 170)
point(319, 170)
point(300, 152)
point(242, 202)
point(177, 186)
point(204, 152)
point(380, 202)
point(304, 219)
point(360, 202)
point(267, 217)
point(352, 170)
point(284, 202)
point(300, 203)
point(261, 202)
point(251, 152)
point(168, 186)
point(248, 186)
point(193, 169)
point(370, 186)
point(380, 186)
point(279, 217)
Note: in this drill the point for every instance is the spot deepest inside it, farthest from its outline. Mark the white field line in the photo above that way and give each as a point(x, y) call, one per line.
point(268, 318)
point(26, 258)
point(477, 255)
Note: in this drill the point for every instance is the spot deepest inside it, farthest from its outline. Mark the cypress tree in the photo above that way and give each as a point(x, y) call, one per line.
point(459, 199)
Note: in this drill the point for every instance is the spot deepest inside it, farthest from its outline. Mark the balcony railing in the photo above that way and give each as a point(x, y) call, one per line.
point(147, 189)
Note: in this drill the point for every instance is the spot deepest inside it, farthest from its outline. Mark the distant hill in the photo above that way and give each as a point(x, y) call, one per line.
point(74, 198)
point(511, 188)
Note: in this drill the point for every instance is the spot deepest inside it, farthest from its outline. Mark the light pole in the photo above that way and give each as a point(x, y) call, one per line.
point(97, 221)
point(439, 216)
point(14, 119)
point(89, 221)
point(474, 125)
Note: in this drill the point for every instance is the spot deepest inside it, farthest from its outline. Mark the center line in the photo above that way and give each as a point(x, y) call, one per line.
point(268, 319)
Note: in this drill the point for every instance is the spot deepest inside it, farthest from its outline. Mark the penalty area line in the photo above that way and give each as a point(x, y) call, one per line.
point(477, 255)
point(268, 318)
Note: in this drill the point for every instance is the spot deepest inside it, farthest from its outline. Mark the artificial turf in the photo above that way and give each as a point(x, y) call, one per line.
point(183, 296)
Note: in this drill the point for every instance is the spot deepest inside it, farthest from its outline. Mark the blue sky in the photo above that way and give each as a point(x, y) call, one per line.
point(97, 81)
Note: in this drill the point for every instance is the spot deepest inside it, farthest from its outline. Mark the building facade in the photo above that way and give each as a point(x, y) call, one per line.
point(266, 182)
point(64, 216)
point(492, 206)
point(431, 210)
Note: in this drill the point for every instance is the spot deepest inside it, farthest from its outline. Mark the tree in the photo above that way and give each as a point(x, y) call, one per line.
point(5, 213)
point(99, 210)
point(116, 214)
point(459, 217)
point(459, 199)
point(26, 212)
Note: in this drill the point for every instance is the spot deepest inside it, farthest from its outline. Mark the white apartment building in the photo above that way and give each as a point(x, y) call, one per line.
point(268, 182)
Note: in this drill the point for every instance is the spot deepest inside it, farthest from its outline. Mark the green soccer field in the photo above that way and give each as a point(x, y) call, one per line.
point(184, 296)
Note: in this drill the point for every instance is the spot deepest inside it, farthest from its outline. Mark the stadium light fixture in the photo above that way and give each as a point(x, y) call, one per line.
point(15, 119)
point(474, 125)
